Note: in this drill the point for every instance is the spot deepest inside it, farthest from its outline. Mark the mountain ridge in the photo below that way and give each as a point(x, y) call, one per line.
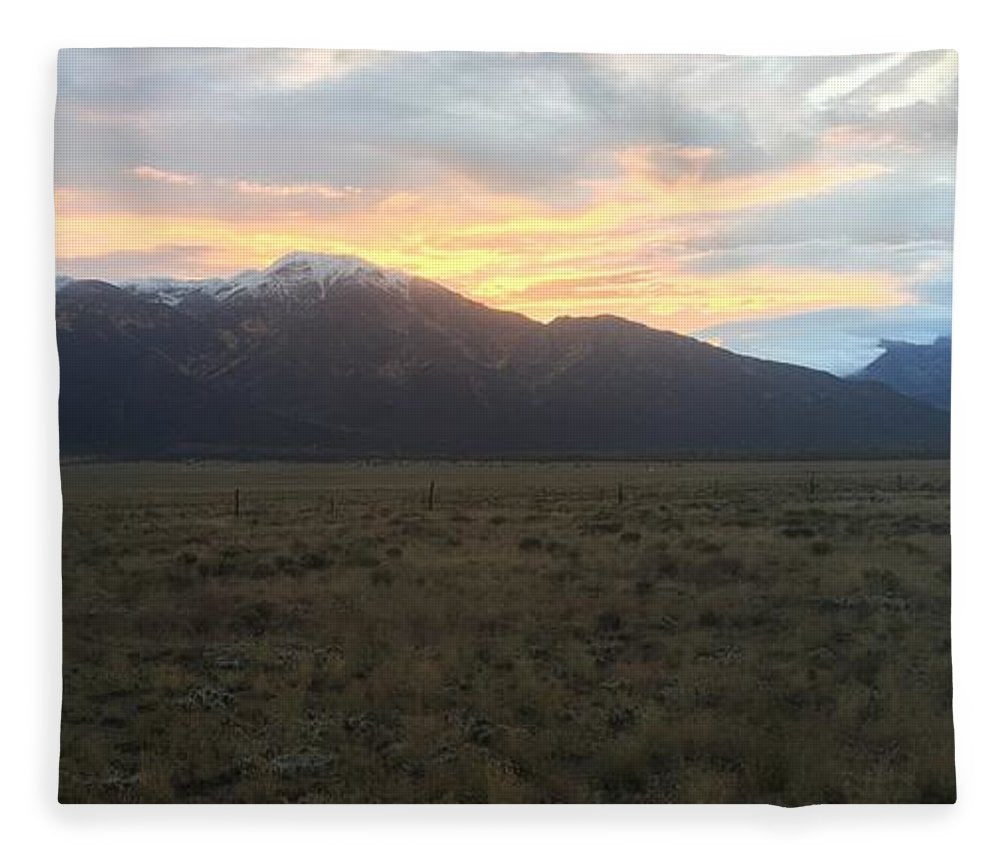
point(339, 359)
point(921, 371)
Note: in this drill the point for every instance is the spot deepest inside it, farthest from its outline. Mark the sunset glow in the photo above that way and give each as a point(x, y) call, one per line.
point(549, 185)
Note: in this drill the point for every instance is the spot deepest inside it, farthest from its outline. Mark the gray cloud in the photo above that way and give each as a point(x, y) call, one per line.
point(117, 266)
point(840, 341)
point(835, 254)
point(539, 125)
point(890, 210)
point(516, 121)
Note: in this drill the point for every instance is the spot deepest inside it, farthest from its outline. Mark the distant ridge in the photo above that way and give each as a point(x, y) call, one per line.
point(921, 371)
point(325, 357)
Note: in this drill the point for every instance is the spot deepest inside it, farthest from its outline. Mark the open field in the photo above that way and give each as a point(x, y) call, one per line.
point(764, 632)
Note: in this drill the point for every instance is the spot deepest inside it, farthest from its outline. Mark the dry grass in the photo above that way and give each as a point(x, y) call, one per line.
point(725, 633)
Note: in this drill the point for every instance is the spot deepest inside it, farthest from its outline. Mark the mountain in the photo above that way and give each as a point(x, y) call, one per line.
point(921, 371)
point(322, 357)
point(297, 276)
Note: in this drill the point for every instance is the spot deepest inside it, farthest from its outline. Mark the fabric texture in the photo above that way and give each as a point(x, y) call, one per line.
point(505, 428)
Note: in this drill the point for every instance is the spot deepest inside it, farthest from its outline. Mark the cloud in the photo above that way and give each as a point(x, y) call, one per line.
point(893, 275)
point(533, 122)
point(839, 340)
point(838, 86)
point(312, 189)
point(929, 83)
point(154, 174)
point(682, 191)
point(493, 245)
point(117, 266)
point(244, 186)
point(889, 211)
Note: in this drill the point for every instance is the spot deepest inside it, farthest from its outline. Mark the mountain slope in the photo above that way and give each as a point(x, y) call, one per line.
point(921, 371)
point(330, 357)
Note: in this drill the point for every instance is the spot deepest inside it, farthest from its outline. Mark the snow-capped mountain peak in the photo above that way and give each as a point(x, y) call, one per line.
point(311, 272)
point(318, 265)
point(299, 276)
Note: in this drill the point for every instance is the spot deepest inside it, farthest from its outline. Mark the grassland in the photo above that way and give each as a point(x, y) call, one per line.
point(549, 632)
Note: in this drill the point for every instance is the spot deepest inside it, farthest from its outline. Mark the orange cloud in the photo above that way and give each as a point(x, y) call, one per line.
point(309, 190)
point(154, 174)
point(861, 137)
point(245, 186)
point(685, 301)
point(606, 254)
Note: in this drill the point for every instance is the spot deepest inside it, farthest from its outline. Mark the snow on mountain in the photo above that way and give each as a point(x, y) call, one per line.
point(298, 272)
point(172, 290)
point(298, 275)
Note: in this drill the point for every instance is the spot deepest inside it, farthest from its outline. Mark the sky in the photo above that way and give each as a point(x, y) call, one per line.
point(798, 209)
